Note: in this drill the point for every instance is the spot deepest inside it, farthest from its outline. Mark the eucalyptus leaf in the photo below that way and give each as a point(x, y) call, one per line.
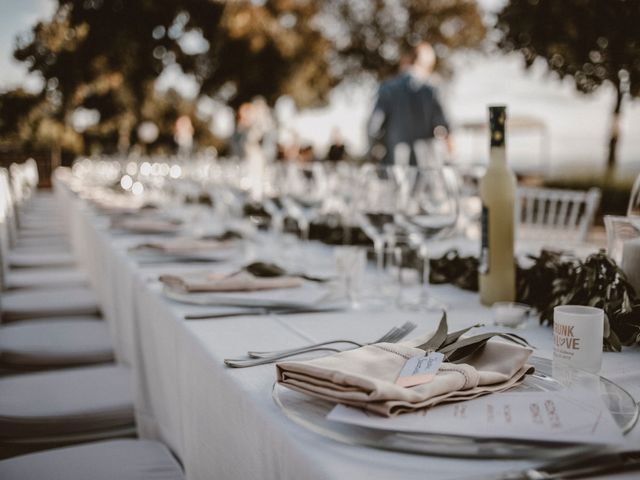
point(456, 348)
point(264, 269)
point(453, 337)
point(555, 278)
point(466, 351)
point(438, 338)
point(480, 338)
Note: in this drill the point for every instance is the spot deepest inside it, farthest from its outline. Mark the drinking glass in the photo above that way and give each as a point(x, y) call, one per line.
point(274, 182)
point(377, 204)
point(577, 336)
point(304, 191)
point(430, 212)
point(623, 245)
point(634, 201)
point(350, 263)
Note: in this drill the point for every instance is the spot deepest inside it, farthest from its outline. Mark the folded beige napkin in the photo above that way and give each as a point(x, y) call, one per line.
point(185, 245)
point(219, 282)
point(365, 377)
point(146, 225)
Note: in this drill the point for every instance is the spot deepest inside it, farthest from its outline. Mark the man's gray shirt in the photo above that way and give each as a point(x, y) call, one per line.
point(406, 110)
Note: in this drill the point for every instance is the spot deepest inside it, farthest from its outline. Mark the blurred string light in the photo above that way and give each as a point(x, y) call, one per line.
point(137, 188)
point(175, 171)
point(148, 132)
point(131, 168)
point(145, 168)
point(126, 182)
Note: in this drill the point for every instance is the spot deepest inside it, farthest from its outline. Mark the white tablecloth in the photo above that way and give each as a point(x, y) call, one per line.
point(221, 422)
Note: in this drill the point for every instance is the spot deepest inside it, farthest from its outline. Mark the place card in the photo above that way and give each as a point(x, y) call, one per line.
point(420, 369)
point(544, 416)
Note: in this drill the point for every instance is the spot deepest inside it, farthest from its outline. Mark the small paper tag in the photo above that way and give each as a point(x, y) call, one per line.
point(420, 369)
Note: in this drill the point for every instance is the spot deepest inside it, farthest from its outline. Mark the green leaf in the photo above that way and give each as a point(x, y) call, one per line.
point(439, 337)
point(263, 269)
point(454, 336)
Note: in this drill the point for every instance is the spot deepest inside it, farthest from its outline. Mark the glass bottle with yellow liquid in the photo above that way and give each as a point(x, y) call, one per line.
point(498, 195)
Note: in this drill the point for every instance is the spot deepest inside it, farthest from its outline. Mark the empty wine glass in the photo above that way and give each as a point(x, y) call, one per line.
point(634, 201)
point(382, 191)
point(341, 195)
point(274, 182)
point(304, 192)
point(430, 212)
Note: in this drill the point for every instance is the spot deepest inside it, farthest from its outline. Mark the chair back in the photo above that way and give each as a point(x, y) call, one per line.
point(555, 213)
point(7, 223)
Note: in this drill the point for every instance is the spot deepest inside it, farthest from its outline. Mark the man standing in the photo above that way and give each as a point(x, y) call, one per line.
point(407, 114)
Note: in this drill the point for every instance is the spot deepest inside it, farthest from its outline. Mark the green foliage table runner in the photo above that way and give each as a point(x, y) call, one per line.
point(559, 279)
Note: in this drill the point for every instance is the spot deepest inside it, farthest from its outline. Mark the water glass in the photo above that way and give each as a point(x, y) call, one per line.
point(634, 201)
point(577, 336)
point(350, 263)
point(623, 245)
point(406, 271)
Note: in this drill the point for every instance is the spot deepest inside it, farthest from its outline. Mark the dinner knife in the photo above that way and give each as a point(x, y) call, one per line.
point(259, 311)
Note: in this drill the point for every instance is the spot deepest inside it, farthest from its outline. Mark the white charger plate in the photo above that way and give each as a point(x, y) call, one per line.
point(310, 413)
point(308, 295)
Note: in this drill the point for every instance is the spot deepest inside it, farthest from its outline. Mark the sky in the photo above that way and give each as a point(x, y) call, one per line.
point(575, 135)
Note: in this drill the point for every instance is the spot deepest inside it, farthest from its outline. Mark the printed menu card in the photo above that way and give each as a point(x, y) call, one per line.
point(559, 416)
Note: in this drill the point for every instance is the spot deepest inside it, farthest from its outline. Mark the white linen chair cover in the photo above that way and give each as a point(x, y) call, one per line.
point(23, 259)
point(112, 460)
point(51, 242)
point(29, 278)
point(8, 223)
point(53, 302)
point(67, 402)
point(55, 343)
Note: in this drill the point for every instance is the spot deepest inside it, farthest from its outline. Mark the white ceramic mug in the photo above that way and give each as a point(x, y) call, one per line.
point(577, 336)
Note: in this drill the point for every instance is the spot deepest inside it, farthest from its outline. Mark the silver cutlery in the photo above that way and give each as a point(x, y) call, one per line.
point(392, 336)
point(174, 260)
point(591, 462)
point(260, 311)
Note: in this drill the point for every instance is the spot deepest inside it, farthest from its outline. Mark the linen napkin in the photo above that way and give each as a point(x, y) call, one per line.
point(242, 281)
point(184, 245)
point(147, 225)
point(365, 377)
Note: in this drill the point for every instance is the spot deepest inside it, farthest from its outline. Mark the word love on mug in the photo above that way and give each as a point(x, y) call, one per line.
point(577, 336)
point(564, 337)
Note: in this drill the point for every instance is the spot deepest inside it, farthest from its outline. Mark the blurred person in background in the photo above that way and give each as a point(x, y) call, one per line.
point(307, 155)
point(407, 115)
point(337, 150)
point(238, 143)
point(255, 125)
point(183, 135)
point(264, 127)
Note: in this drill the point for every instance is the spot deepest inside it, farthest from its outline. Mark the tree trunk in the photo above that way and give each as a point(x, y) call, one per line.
point(614, 132)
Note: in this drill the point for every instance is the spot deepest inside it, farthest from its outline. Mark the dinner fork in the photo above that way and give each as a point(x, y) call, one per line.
point(392, 336)
point(590, 462)
point(387, 337)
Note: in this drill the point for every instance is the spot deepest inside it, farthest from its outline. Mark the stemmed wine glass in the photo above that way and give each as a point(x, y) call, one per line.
point(303, 194)
point(274, 183)
point(430, 211)
point(380, 193)
point(634, 201)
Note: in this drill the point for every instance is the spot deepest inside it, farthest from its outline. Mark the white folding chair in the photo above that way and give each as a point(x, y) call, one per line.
point(111, 460)
point(65, 309)
point(555, 214)
point(64, 407)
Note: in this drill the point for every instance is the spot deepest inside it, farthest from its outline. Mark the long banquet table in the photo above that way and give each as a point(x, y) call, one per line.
point(222, 423)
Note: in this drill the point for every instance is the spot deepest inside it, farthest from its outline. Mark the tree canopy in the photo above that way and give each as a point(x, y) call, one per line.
point(106, 55)
point(595, 42)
